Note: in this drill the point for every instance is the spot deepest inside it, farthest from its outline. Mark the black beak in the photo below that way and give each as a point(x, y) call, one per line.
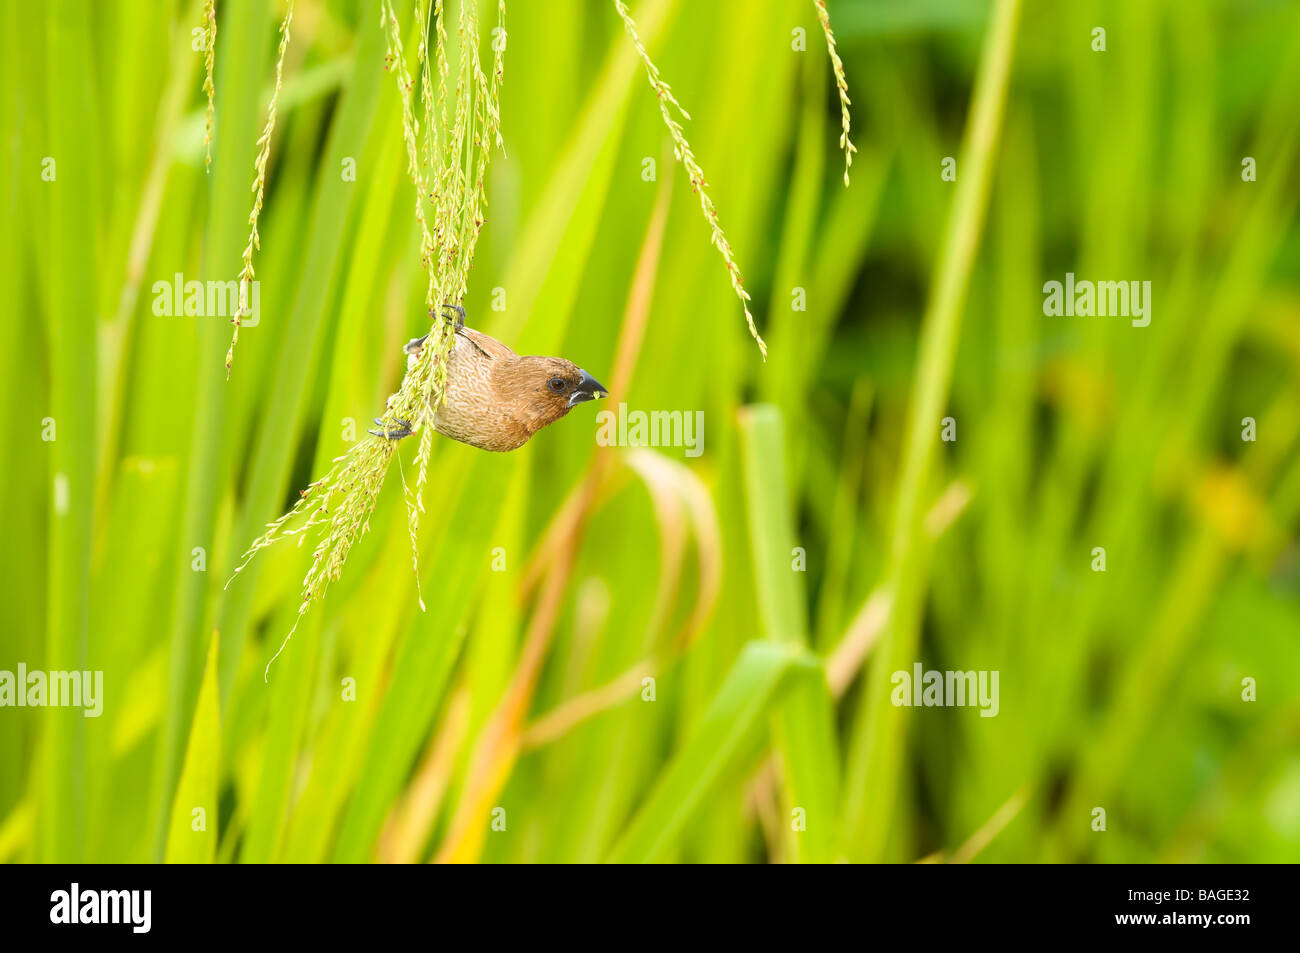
point(588, 389)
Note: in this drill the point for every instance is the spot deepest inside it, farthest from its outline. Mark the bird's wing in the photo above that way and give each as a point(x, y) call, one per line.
point(490, 346)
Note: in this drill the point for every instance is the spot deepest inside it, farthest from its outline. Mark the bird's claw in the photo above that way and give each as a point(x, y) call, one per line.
point(457, 311)
point(457, 318)
point(403, 430)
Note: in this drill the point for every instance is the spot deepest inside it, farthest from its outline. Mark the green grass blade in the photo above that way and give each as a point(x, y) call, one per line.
point(72, 203)
point(879, 760)
point(805, 723)
point(246, 46)
point(197, 788)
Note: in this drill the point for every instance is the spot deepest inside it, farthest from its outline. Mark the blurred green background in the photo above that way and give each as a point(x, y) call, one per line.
point(629, 653)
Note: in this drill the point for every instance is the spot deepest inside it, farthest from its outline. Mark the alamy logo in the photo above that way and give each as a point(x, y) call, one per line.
point(38, 689)
point(1127, 299)
point(103, 907)
point(946, 689)
point(658, 428)
point(209, 299)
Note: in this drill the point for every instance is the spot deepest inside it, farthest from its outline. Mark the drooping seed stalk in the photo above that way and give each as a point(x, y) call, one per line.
point(683, 153)
point(209, 65)
point(259, 188)
point(447, 167)
point(682, 150)
point(841, 84)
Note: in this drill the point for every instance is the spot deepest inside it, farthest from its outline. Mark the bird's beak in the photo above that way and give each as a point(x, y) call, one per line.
point(588, 389)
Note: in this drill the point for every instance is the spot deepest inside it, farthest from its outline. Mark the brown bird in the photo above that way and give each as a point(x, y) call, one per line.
point(497, 399)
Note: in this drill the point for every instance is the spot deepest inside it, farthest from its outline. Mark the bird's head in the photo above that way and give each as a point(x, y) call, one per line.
point(550, 387)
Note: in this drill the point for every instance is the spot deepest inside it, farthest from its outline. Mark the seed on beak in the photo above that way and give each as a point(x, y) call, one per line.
point(588, 389)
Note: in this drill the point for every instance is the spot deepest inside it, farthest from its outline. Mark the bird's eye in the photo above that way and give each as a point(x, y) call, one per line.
point(557, 384)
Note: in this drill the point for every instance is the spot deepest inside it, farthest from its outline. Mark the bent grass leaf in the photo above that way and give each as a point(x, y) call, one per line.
point(729, 727)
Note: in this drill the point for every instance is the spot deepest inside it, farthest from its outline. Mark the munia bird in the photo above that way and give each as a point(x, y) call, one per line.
point(497, 399)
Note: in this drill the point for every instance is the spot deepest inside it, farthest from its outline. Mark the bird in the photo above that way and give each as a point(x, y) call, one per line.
point(497, 399)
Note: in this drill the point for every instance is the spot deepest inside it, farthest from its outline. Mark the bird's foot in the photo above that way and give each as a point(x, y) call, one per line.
point(453, 313)
point(403, 429)
point(457, 315)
